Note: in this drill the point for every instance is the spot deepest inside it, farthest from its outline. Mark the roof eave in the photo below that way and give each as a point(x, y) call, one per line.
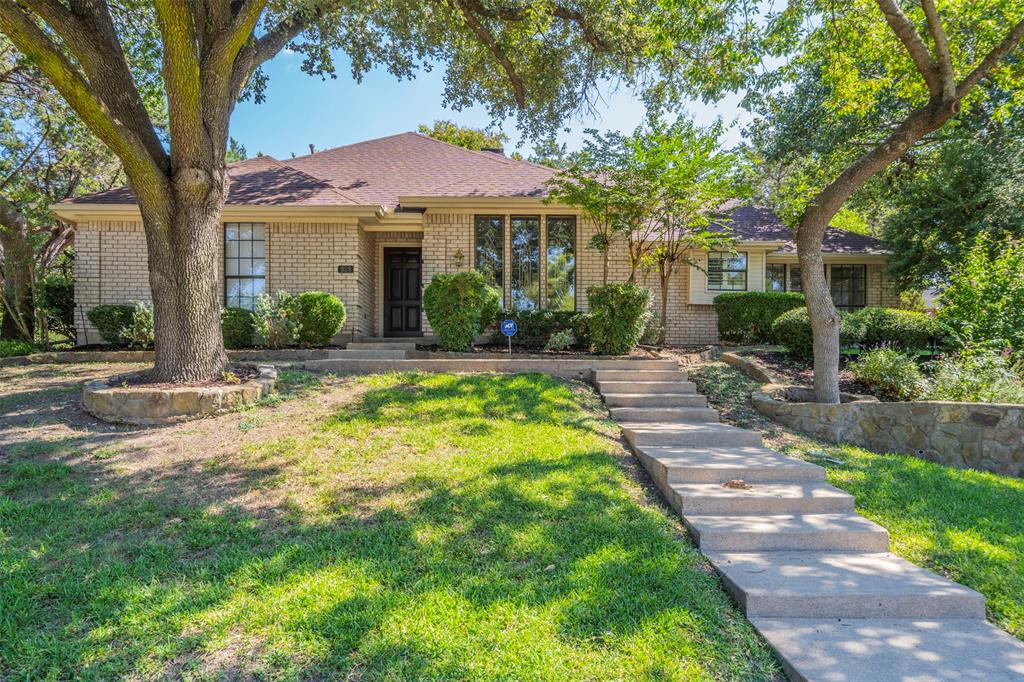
point(76, 213)
point(492, 203)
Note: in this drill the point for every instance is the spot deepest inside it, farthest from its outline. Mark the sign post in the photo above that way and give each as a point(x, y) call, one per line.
point(509, 329)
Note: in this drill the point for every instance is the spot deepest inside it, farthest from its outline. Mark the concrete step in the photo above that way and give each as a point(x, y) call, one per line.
point(780, 532)
point(789, 497)
point(640, 375)
point(841, 585)
point(372, 354)
point(718, 465)
point(681, 434)
point(664, 414)
point(675, 387)
point(654, 400)
point(890, 650)
point(381, 345)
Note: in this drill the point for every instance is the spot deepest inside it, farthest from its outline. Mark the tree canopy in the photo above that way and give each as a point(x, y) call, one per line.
point(464, 136)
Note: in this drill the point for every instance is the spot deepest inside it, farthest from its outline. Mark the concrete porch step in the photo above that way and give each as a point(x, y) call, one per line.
point(381, 345)
point(674, 387)
point(640, 375)
point(718, 465)
point(694, 435)
point(890, 650)
point(780, 532)
point(348, 354)
point(789, 497)
point(664, 414)
point(841, 585)
point(654, 400)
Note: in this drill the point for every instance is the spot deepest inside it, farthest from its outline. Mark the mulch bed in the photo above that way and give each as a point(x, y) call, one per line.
point(797, 372)
point(145, 380)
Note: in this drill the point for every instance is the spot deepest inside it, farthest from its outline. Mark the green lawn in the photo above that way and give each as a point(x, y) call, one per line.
point(966, 525)
point(429, 527)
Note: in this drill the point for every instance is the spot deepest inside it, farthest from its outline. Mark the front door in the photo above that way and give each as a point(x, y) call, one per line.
point(402, 269)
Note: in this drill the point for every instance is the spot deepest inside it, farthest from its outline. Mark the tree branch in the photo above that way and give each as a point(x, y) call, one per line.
point(28, 157)
point(488, 39)
point(521, 14)
point(942, 57)
point(182, 81)
point(908, 35)
point(985, 67)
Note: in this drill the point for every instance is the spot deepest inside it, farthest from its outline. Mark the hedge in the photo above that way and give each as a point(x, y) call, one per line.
point(112, 322)
point(238, 327)
point(459, 307)
point(904, 329)
point(747, 317)
point(793, 331)
point(618, 315)
point(321, 315)
point(537, 326)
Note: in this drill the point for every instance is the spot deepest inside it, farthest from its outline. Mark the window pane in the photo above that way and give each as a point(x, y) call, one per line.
point(245, 267)
point(257, 267)
point(489, 248)
point(795, 283)
point(244, 264)
point(849, 286)
point(258, 287)
point(245, 231)
point(525, 263)
point(775, 277)
point(727, 272)
point(231, 249)
point(245, 249)
point(259, 231)
point(561, 262)
point(258, 249)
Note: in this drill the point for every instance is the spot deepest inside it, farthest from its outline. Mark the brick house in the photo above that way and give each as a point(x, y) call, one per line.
point(373, 222)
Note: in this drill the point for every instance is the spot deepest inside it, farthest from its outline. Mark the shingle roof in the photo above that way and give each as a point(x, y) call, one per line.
point(377, 172)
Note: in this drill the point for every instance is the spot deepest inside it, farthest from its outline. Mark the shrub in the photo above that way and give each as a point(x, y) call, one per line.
point(654, 327)
point(277, 319)
point(618, 314)
point(11, 347)
point(490, 309)
point(747, 317)
point(977, 376)
point(139, 334)
point(793, 331)
point(456, 306)
point(537, 326)
point(321, 316)
point(890, 374)
point(56, 293)
point(903, 329)
point(238, 326)
point(111, 321)
point(560, 340)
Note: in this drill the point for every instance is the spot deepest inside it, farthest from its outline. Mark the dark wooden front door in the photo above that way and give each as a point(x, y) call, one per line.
point(402, 270)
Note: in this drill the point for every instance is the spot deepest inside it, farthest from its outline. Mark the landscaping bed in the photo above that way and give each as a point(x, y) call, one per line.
point(801, 373)
point(384, 527)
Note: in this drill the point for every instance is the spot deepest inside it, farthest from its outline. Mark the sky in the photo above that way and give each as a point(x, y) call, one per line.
point(300, 110)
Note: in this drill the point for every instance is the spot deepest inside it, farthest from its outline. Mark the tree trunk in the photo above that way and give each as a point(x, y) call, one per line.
point(18, 307)
point(604, 265)
point(665, 277)
point(822, 313)
point(182, 240)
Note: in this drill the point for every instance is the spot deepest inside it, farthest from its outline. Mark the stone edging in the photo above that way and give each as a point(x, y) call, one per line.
point(255, 355)
point(155, 406)
point(752, 368)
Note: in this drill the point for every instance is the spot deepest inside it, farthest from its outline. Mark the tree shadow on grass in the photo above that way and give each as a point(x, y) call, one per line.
point(502, 560)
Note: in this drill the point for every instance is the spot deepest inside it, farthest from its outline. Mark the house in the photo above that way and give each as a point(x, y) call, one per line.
point(373, 222)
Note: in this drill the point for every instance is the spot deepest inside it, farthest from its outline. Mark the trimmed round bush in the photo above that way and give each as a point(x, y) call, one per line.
point(890, 374)
point(793, 331)
point(490, 308)
point(112, 322)
point(618, 316)
point(904, 329)
point(747, 316)
point(238, 326)
point(321, 315)
point(459, 307)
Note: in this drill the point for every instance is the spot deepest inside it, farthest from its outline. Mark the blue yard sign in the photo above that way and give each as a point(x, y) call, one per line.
point(509, 329)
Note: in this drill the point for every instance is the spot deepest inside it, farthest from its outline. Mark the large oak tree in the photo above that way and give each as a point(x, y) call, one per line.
point(866, 81)
point(539, 61)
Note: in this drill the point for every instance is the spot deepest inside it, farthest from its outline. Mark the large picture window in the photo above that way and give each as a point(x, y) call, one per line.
point(727, 271)
point(561, 263)
point(849, 286)
point(775, 277)
point(245, 261)
point(525, 262)
point(489, 249)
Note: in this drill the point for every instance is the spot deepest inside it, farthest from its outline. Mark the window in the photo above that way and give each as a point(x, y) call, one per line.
point(795, 283)
point(775, 277)
point(727, 271)
point(525, 263)
point(245, 261)
point(489, 249)
point(849, 286)
point(561, 263)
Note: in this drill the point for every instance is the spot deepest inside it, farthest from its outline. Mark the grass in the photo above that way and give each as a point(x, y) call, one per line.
point(966, 525)
point(434, 527)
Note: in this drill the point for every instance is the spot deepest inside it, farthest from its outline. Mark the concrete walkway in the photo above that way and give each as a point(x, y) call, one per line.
point(815, 578)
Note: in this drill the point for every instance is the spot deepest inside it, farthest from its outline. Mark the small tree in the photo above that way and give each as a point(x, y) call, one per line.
point(464, 136)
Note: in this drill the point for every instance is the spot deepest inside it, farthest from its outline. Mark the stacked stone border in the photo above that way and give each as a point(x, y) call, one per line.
point(75, 356)
point(982, 436)
point(148, 406)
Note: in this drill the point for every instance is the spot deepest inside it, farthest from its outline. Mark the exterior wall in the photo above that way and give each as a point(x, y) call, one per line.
point(111, 266)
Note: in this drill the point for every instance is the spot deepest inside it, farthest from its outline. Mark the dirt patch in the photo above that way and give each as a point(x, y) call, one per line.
point(233, 376)
point(796, 372)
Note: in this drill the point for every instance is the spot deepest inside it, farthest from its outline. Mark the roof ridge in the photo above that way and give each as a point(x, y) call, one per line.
point(490, 156)
point(351, 144)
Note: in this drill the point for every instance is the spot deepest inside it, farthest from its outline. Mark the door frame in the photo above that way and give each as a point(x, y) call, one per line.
point(379, 281)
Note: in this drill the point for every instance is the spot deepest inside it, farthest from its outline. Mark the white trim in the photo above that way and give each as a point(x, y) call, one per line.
point(76, 213)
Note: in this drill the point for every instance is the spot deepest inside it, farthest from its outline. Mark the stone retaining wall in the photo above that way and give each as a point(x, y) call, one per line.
point(254, 355)
point(988, 437)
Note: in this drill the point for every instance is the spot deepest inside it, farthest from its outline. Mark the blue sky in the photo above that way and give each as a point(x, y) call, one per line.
point(300, 110)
